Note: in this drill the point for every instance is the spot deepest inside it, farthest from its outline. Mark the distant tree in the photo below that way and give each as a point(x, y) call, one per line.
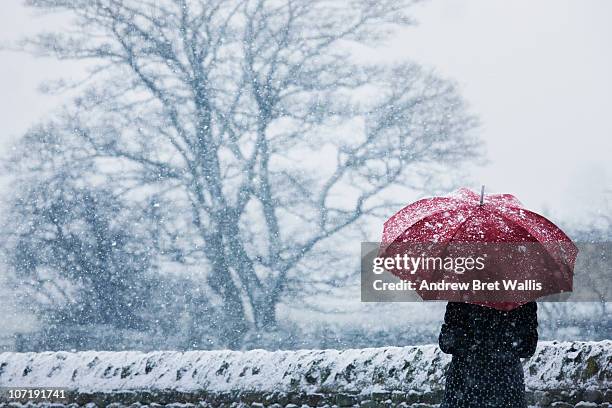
point(589, 316)
point(251, 129)
point(78, 257)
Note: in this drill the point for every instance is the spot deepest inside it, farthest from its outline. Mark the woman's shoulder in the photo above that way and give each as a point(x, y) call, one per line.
point(475, 309)
point(529, 307)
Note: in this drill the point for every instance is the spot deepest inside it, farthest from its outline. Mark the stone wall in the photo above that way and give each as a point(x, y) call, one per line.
point(561, 375)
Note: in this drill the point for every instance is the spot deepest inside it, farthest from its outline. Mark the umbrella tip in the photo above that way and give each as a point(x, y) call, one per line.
point(482, 194)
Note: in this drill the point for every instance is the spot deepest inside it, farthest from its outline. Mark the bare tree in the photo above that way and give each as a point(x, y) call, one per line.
point(252, 128)
point(79, 258)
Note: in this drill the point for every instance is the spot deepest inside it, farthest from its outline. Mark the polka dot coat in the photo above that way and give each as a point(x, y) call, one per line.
point(487, 345)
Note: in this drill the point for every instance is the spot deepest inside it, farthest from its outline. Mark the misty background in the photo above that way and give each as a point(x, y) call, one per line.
point(534, 74)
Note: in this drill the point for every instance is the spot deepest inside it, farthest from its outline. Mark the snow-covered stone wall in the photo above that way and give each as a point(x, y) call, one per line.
point(559, 375)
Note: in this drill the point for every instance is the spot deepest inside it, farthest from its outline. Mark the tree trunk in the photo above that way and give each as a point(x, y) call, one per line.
point(265, 314)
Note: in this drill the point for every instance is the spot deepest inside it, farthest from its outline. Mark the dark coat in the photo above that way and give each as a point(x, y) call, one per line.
point(487, 345)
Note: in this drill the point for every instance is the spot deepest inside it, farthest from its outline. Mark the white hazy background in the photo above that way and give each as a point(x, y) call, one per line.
point(537, 73)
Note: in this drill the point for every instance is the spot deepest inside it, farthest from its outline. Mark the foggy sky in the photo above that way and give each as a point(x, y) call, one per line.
point(537, 73)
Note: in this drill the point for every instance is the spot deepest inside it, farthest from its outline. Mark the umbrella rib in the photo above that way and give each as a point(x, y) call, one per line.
point(530, 233)
point(463, 206)
point(469, 217)
point(539, 216)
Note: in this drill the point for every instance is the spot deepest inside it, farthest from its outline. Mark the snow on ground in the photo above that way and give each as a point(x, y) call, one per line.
point(416, 369)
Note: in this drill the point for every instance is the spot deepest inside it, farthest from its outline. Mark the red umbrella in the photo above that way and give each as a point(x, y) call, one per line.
point(526, 254)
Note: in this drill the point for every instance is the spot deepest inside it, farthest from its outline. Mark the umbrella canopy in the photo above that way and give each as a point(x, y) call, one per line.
point(525, 253)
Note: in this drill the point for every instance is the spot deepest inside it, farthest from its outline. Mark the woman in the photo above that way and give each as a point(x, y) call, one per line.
point(487, 345)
